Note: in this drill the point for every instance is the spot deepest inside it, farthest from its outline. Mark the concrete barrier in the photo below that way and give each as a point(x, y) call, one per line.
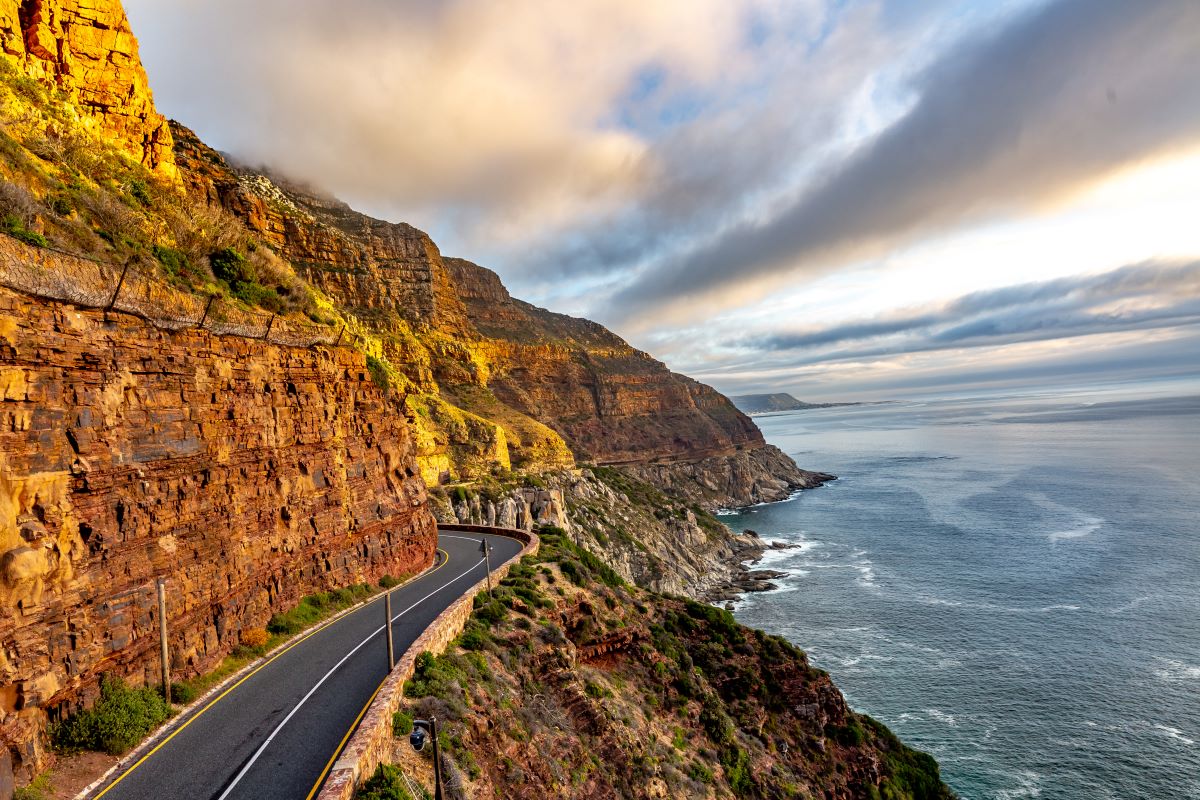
point(372, 742)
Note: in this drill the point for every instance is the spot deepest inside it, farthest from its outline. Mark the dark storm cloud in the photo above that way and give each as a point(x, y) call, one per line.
point(1136, 297)
point(1054, 101)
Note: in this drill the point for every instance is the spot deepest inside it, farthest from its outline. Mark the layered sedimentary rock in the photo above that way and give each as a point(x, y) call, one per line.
point(86, 49)
point(546, 381)
point(611, 402)
point(760, 475)
point(246, 474)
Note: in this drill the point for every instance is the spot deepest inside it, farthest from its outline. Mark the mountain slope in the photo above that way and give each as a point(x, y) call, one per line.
point(542, 389)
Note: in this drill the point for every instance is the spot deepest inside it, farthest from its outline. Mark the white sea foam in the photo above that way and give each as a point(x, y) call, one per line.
point(866, 575)
point(942, 716)
point(1027, 786)
point(1081, 523)
point(1176, 734)
point(1174, 671)
point(1134, 603)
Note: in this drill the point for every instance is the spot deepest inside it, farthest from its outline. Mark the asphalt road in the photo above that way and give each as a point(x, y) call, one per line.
point(274, 735)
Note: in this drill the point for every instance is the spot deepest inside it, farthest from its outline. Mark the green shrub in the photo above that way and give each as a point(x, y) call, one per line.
point(737, 769)
point(436, 676)
point(14, 226)
point(491, 612)
point(61, 204)
point(379, 373)
point(474, 637)
point(175, 262)
point(595, 690)
point(120, 719)
point(386, 784)
point(389, 582)
point(699, 772)
point(140, 192)
point(236, 272)
point(182, 693)
point(402, 723)
point(230, 266)
point(849, 735)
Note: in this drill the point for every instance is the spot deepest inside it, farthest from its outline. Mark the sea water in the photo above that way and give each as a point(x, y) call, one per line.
point(1011, 584)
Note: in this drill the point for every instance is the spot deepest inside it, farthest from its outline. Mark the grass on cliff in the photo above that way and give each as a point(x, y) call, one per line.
point(66, 187)
point(387, 784)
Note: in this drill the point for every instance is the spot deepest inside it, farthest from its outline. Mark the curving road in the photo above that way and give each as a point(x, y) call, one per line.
point(275, 733)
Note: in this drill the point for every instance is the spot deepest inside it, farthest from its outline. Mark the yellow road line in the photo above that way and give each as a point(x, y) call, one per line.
point(338, 750)
point(251, 674)
point(354, 725)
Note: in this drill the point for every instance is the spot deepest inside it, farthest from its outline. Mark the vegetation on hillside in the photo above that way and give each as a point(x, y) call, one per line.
point(63, 187)
point(568, 682)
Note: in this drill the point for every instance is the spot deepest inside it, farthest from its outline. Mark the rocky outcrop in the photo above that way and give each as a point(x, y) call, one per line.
point(578, 687)
point(649, 538)
point(761, 475)
point(611, 402)
point(86, 49)
point(246, 474)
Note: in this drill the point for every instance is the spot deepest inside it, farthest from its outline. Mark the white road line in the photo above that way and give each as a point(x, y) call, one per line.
point(332, 670)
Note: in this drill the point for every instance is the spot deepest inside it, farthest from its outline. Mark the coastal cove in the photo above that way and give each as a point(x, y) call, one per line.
point(1007, 583)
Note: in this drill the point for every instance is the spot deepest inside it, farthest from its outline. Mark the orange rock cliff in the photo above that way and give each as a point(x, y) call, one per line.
point(249, 474)
point(86, 49)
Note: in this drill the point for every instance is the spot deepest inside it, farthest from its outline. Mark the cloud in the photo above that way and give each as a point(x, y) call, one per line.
point(1066, 95)
point(489, 117)
point(1135, 297)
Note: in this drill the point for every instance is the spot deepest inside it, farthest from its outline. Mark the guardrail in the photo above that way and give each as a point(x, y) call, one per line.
point(53, 274)
point(372, 741)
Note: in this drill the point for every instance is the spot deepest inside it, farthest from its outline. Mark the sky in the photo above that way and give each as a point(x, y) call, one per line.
point(844, 199)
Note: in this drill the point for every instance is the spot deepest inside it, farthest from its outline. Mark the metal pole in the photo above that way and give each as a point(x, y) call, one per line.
point(162, 636)
point(387, 605)
point(207, 306)
point(437, 761)
point(120, 282)
point(487, 560)
point(270, 322)
point(338, 340)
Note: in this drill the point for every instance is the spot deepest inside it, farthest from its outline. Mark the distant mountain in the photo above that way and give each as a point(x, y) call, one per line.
point(777, 401)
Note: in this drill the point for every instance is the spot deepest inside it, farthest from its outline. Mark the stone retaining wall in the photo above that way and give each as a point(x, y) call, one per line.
point(372, 742)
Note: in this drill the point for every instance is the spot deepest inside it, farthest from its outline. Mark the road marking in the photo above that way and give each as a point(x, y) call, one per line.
point(337, 751)
point(251, 674)
point(262, 748)
point(354, 726)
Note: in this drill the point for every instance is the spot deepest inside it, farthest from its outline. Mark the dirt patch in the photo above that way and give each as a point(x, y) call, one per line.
point(71, 774)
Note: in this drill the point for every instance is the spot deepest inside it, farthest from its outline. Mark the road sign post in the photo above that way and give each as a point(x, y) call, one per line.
point(487, 561)
point(162, 636)
point(387, 624)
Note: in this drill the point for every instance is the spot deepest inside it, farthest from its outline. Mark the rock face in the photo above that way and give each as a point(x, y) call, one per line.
point(649, 538)
point(554, 388)
point(612, 403)
point(244, 473)
point(762, 475)
point(86, 49)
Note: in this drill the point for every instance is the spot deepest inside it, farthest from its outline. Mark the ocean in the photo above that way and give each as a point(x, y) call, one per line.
point(1010, 584)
